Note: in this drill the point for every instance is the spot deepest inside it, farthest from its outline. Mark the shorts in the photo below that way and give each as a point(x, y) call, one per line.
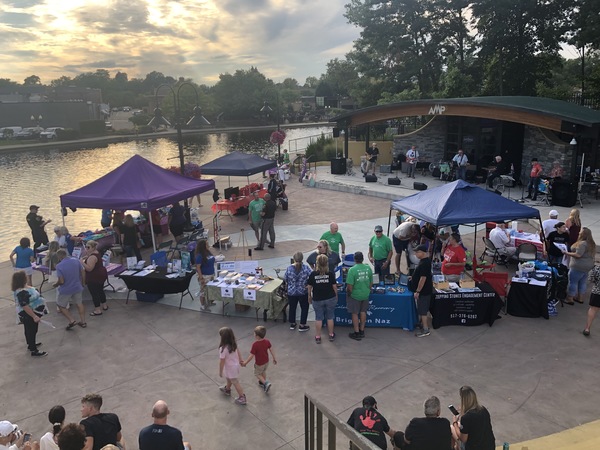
point(400, 245)
point(63, 300)
point(595, 300)
point(259, 370)
point(423, 304)
point(256, 226)
point(371, 165)
point(325, 309)
point(356, 306)
point(206, 279)
point(27, 270)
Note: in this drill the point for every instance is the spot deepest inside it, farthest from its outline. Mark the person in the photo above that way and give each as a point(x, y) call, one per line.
point(428, 234)
point(25, 256)
point(412, 157)
point(557, 171)
point(272, 187)
point(260, 350)
point(56, 416)
point(268, 223)
point(573, 224)
point(548, 224)
point(594, 302)
point(286, 156)
point(431, 431)
point(156, 226)
point(501, 240)
point(176, 220)
point(401, 236)
point(255, 209)
point(473, 426)
point(380, 252)
point(296, 278)
point(71, 437)
point(59, 237)
point(230, 359)
point(335, 239)
point(581, 261)
point(421, 284)
point(368, 422)
point(499, 167)
point(106, 218)
point(37, 224)
point(358, 289)
point(534, 179)
point(30, 308)
point(558, 236)
point(461, 162)
point(455, 259)
point(100, 428)
point(159, 435)
point(10, 438)
point(95, 277)
point(130, 238)
point(70, 283)
point(323, 249)
point(70, 240)
point(205, 268)
point(372, 154)
point(323, 295)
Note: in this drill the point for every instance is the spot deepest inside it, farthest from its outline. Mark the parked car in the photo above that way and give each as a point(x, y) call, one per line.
point(50, 133)
point(9, 132)
point(126, 108)
point(27, 133)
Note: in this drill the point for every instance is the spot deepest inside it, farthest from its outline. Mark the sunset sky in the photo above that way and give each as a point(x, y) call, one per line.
point(198, 39)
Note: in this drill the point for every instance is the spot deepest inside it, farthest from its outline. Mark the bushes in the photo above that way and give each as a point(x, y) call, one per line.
point(67, 135)
point(322, 149)
point(92, 127)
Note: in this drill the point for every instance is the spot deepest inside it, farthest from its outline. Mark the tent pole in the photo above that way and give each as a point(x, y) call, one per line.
point(63, 217)
point(389, 222)
point(475, 249)
point(152, 233)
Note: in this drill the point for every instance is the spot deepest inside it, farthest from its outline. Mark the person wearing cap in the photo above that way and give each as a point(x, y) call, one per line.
point(368, 422)
point(431, 431)
point(335, 239)
point(380, 252)
point(358, 288)
point(372, 154)
point(560, 235)
point(534, 179)
point(37, 224)
point(548, 224)
point(10, 438)
point(501, 240)
point(421, 284)
point(412, 156)
point(461, 161)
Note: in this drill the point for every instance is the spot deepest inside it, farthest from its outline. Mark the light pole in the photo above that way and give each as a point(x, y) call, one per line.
point(266, 109)
point(36, 120)
point(197, 120)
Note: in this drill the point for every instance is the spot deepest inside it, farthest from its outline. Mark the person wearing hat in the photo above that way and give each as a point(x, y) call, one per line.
point(358, 288)
point(431, 431)
point(10, 438)
point(534, 179)
point(380, 252)
point(367, 421)
point(501, 240)
point(548, 224)
point(37, 224)
point(372, 154)
point(421, 284)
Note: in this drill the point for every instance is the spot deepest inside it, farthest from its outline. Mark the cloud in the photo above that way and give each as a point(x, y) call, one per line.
point(17, 20)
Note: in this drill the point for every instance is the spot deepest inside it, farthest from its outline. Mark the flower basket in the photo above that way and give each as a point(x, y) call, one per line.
point(277, 137)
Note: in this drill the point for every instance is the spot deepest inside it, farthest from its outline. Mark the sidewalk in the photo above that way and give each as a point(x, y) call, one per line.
point(536, 377)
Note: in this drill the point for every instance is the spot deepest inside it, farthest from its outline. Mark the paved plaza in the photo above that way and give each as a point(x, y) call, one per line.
point(536, 377)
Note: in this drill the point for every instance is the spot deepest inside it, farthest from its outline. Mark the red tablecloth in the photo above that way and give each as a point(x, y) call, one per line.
point(232, 206)
point(538, 245)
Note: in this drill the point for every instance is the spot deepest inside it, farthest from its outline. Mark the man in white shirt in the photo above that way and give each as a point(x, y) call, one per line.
point(548, 224)
point(501, 240)
point(10, 438)
point(412, 156)
point(461, 161)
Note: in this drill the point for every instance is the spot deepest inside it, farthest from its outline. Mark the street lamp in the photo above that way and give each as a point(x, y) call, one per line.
point(266, 109)
point(197, 120)
point(36, 120)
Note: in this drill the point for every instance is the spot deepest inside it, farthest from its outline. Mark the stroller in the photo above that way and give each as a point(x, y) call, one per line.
point(560, 281)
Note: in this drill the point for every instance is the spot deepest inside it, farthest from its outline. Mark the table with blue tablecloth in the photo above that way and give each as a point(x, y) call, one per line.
point(389, 309)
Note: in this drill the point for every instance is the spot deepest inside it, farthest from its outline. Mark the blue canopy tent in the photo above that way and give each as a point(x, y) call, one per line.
point(237, 164)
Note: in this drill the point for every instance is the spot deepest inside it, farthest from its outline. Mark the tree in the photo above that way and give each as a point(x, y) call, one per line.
point(241, 95)
point(32, 80)
point(341, 75)
point(121, 78)
point(62, 81)
point(311, 82)
point(6, 82)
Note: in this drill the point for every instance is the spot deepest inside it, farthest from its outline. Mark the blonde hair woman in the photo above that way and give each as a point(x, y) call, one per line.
point(473, 426)
point(582, 261)
point(323, 295)
point(573, 223)
point(324, 249)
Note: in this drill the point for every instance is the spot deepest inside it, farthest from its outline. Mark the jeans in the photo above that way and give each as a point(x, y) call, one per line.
point(410, 171)
point(97, 293)
point(532, 187)
point(132, 250)
point(461, 172)
point(30, 328)
point(552, 259)
point(577, 283)
point(293, 301)
point(268, 226)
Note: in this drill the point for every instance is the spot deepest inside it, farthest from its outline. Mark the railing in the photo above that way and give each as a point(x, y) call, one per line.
point(300, 144)
point(313, 428)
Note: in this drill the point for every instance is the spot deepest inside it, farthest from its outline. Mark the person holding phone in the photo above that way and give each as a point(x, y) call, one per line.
point(473, 426)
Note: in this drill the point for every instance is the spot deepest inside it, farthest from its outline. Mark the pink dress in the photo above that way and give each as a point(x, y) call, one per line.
point(231, 369)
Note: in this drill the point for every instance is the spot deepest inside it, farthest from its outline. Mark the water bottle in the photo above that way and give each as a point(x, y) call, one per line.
point(505, 446)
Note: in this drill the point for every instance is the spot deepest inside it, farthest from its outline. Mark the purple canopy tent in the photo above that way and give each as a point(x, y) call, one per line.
point(136, 184)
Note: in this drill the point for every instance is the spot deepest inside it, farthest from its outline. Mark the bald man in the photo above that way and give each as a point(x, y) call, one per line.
point(159, 435)
point(335, 239)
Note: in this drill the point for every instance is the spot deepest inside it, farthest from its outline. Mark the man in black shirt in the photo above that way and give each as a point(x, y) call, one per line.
point(268, 225)
point(501, 168)
point(37, 224)
point(159, 435)
point(421, 284)
point(431, 432)
point(372, 154)
point(100, 428)
point(368, 422)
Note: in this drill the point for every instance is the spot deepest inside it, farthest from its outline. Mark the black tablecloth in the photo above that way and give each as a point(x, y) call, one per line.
point(157, 282)
point(466, 308)
point(527, 300)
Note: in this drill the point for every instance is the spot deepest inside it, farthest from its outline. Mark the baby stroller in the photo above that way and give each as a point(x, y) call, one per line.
point(560, 281)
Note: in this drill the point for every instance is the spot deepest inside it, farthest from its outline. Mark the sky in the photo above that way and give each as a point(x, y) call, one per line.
point(197, 39)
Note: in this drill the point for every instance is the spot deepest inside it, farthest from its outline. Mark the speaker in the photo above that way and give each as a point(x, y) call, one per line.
point(385, 168)
point(419, 186)
point(338, 166)
point(336, 132)
point(564, 193)
point(371, 179)
point(394, 181)
point(436, 173)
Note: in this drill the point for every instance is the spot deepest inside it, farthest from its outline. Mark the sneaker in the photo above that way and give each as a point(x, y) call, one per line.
point(292, 326)
point(355, 336)
point(261, 384)
point(241, 400)
point(332, 337)
point(318, 339)
point(38, 353)
point(302, 328)
point(204, 308)
point(267, 386)
point(362, 333)
point(424, 332)
point(225, 391)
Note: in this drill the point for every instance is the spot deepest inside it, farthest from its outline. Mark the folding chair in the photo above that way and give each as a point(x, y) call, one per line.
point(491, 250)
point(526, 252)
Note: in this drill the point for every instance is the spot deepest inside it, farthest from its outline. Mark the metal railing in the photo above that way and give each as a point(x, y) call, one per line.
point(299, 145)
point(314, 427)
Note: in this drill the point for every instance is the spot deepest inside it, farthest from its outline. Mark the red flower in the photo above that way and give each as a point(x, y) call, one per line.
point(190, 170)
point(278, 137)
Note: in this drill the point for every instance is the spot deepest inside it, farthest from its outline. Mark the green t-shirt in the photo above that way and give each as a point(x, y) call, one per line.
point(334, 240)
point(360, 277)
point(255, 207)
point(381, 247)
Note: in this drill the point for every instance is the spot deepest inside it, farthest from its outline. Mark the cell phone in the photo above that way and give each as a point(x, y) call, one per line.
point(453, 410)
point(291, 260)
point(27, 437)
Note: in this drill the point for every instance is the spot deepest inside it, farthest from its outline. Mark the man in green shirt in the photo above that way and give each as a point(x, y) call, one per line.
point(335, 239)
point(380, 252)
point(254, 214)
point(358, 288)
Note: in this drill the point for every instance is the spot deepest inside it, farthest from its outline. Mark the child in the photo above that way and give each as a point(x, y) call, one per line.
point(25, 257)
point(261, 349)
point(229, 364)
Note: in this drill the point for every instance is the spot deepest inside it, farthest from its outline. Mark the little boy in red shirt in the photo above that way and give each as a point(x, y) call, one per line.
point(260, 349)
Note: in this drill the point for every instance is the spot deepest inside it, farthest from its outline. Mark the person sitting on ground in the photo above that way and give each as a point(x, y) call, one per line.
point(473, 426)
point(71, 437)
point(368, 422)
point(159, 435)
point(323, 249)
point(455, 259)
point(56, 417)
point(100, 428)
point(335, 239)
point(501, 240)
point(559, 236)
point(431, 431)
